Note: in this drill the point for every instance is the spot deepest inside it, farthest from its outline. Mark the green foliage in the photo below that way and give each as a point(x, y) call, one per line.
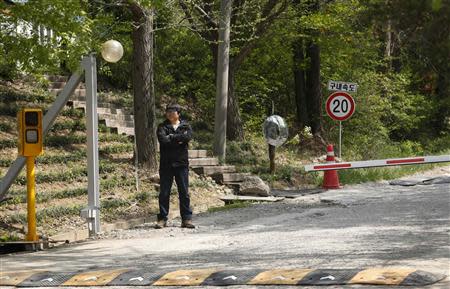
point(6, 127)
point(377, 174)
point(234, 205)
point(240, 152)
point(110, 204)
point(189, 76)
point(73, 126)
point(56, 212)
point(9, 237)
point(142, 197)
point(70, 25)
point(116, 148)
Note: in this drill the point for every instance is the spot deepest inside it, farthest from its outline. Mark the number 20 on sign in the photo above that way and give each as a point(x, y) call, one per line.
point(340, 106)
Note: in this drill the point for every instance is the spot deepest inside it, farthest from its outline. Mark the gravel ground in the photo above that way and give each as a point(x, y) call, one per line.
point(360, 226)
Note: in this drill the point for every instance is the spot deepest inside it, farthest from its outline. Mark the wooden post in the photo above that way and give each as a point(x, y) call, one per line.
point(272, 158)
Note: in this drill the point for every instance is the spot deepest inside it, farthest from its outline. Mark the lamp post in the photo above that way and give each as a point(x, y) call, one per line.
point(112, 51)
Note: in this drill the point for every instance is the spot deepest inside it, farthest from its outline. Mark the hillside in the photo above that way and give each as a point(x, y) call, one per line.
point(61, 173)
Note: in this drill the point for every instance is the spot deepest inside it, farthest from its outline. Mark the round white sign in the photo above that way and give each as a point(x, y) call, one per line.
point(340, 106)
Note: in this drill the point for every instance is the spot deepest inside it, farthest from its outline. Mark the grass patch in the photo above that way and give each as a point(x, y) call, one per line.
point(116, 182)
point(20, 197)
point(141, 197)
point(8, 143)
point(72, 125)
point(58, 211)
point(4, 126)
point(10, 95)
point(68, 176)
point(74, 174)
point(63, 140)
point(110, 204)
point(357, 176)
point(9, 237)
point(234, 205)
point(116, 148)
point(9, 109)
point(5, 162)
point(73, 112)
point(75, 156)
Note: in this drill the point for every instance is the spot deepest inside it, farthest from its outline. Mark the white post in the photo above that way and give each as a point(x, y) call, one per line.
point(220, 117)
point(92, 213)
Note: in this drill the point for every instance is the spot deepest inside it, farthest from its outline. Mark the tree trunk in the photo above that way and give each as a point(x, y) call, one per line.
point(143, 90)
point(299, 81)
point(314, 89)
point(235, 130)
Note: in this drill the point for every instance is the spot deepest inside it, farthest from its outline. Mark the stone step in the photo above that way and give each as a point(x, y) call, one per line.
point(194, 154)
point(229, 177)
point(62, 84)
point(57, 78)
point(118, 123)
point(204, 162)
point(212, 170)
point(79, 92)
point(235, 186)
point(125, 130)
point(231, 199)
point(102, 108)
point(126, 117)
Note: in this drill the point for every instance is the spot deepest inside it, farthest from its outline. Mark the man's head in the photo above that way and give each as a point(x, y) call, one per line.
point(173, 112)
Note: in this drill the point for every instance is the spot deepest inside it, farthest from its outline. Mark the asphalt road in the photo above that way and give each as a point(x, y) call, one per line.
point(360, 226)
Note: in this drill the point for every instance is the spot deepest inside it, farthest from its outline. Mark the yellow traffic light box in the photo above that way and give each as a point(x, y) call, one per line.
point(30, 132)
point(29, 122)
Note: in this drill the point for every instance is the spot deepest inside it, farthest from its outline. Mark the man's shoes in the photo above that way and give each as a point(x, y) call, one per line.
point(161, 224)
point(187, 224)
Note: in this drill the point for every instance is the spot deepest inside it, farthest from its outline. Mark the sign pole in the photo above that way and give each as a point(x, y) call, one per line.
point(340, 139)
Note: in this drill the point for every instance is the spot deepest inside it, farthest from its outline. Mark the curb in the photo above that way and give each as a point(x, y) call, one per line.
point(83, 234)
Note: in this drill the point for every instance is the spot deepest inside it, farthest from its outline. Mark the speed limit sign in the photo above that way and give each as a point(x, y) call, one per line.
point(340, 106)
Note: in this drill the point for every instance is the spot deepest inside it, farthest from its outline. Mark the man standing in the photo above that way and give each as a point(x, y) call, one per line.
point(173, 136)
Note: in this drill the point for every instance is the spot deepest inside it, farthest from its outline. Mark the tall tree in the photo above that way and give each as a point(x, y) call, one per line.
point(250, 21)
point(143, 85)
point(420, 33)
point(306, 60)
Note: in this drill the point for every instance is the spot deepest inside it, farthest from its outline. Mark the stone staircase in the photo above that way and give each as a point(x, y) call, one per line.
point(121, 121)
point(221, 174)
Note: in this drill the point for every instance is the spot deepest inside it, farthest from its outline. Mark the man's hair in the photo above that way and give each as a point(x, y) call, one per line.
point(174, 106)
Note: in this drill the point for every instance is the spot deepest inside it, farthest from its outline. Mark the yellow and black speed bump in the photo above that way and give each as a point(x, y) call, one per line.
point(231, 277)
point(45, 279)
point(136, 277)
point(217, 277)
point(328, 277)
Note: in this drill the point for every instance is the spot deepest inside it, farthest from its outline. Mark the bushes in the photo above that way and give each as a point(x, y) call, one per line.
point(241, 153)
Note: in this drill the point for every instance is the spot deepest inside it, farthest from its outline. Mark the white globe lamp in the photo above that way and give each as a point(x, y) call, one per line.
point(112, 51)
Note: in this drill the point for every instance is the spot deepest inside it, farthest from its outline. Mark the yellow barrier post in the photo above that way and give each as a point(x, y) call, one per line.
point(30, 146)
point(31, 201)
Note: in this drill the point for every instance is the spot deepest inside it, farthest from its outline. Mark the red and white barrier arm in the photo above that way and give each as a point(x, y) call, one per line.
point(377, 163)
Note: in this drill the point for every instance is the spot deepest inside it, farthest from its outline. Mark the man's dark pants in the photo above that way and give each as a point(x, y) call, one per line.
point(181, 175)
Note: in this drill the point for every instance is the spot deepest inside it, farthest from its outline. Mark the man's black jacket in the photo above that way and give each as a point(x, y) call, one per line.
point(173, 144)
